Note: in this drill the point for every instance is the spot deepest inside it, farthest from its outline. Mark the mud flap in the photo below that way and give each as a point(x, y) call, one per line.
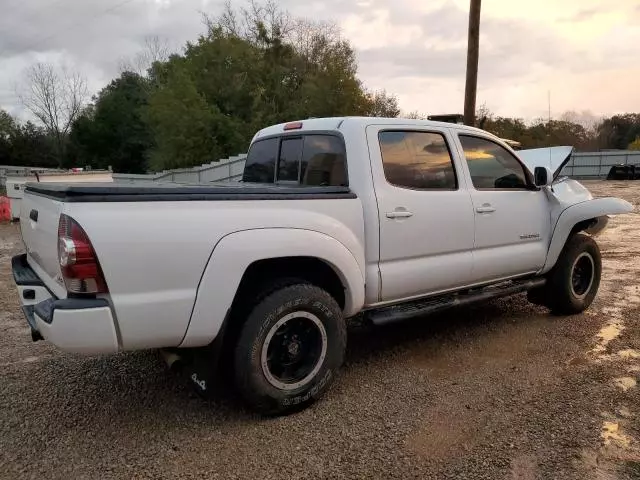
point(197, 367)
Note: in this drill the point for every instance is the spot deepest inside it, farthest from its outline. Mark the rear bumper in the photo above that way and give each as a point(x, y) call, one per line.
point(72, 324)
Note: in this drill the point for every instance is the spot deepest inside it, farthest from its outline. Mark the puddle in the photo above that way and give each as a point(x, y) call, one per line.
point(611, 434)
point(609, 332)
point(629, 353)
point(625, 383)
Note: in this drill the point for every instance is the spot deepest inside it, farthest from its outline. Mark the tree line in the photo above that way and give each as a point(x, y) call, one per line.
point(252, 67)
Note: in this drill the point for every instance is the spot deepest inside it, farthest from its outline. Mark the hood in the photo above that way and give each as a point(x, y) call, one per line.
point(554, 158)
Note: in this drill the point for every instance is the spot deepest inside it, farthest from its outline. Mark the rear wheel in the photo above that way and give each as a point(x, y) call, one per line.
point(574, 280)
point(289, 349)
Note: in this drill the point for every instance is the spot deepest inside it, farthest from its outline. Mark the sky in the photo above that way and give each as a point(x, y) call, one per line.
point(584, 53)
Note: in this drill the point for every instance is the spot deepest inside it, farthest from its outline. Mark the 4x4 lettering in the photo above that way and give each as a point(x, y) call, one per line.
point(200, 383)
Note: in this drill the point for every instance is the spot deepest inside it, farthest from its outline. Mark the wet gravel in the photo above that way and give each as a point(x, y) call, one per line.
point(502, 390)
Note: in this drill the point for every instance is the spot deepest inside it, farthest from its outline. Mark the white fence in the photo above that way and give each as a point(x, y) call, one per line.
point(227, 169)
point(597, 164)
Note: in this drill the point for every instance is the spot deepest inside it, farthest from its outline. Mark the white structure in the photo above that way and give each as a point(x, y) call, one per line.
point(15, 185)
point(15, 192)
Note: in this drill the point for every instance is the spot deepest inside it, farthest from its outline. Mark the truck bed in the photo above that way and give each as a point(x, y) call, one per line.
point(161, 192)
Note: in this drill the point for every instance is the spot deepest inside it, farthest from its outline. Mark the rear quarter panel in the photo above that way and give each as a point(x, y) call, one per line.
point(154, 254)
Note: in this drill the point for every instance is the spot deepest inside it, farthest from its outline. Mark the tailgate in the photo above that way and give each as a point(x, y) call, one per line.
point(39, 225)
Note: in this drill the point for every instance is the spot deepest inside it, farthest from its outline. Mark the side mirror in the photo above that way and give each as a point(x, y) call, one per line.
point(542, 176)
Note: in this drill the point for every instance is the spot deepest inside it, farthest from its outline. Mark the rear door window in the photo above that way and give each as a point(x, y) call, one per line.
point(417, 160)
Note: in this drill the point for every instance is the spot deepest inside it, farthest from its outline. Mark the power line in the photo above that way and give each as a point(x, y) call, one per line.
point(73, 25)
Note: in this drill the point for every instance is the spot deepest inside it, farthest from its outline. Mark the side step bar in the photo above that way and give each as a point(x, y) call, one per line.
point(406, 311)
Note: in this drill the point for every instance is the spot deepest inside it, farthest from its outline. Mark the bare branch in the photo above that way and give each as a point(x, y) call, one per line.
point(154, 50)
point(55, 97)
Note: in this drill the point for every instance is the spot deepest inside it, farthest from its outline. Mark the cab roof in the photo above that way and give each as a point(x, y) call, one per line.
point(336, 123)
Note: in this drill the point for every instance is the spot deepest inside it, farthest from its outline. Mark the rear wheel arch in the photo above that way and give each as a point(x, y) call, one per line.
point(259, 277)
point(259, 282)
point(251, 258)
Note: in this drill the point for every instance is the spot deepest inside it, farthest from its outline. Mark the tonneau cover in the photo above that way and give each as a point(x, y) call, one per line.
point(143, 192)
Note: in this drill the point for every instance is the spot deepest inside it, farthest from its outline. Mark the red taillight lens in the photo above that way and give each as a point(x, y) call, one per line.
point(78, 261)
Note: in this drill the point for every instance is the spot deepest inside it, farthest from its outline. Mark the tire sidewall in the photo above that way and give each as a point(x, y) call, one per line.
point(248, 365)
point(562, 281)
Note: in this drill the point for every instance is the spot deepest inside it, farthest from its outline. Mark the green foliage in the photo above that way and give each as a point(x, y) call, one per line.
point(187, 130)
point(7, 131)
point(609, 133)
point(25, 144)
point(619, 131)
point(252, 68)
point(635, 145)
point(111, 132)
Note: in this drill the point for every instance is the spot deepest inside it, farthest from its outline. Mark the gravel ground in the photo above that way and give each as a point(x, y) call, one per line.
point(498, 391)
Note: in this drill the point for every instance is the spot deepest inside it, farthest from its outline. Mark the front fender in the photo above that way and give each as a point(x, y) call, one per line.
point(237, 251)
point(594, 209)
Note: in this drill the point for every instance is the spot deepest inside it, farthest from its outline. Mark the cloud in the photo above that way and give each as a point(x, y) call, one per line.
point(585, 14)
point(439, 49)
point(585, 49)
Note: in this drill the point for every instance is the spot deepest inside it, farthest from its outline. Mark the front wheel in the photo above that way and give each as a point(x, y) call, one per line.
point(574, 280)
point(289, 349)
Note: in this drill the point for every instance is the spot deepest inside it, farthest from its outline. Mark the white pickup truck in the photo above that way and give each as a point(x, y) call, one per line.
point(337, 217)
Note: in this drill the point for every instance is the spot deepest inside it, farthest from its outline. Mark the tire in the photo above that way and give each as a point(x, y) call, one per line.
point(289, 349)
point(574, 280)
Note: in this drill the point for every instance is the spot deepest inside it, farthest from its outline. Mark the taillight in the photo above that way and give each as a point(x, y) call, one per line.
point(78, 261)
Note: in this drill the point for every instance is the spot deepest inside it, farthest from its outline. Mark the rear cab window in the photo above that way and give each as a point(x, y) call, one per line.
point(305, 159)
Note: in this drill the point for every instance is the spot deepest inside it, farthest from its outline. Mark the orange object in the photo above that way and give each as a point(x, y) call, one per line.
point(5, 209)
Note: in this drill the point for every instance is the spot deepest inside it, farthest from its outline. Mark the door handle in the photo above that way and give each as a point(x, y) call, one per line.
point(486, 208)
point(399, 214)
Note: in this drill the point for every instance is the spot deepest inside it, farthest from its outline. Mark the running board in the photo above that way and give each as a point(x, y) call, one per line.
point(406, 311)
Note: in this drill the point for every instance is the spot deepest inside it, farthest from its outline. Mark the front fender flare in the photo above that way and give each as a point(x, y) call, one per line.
point(237, 251)
point(570, 217)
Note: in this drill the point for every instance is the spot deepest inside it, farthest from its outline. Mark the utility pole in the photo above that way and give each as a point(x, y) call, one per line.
point(473, 51)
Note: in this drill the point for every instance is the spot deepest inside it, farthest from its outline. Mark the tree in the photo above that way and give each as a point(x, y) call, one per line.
point(7, 131)
point(183, 125)
point(381, 104)
point(32, 146)
point(154, 50)
point(25, 144)
point(635, 145)
point(55, 97)
point(112, 132)
point(619, 131)
point(414, 115)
